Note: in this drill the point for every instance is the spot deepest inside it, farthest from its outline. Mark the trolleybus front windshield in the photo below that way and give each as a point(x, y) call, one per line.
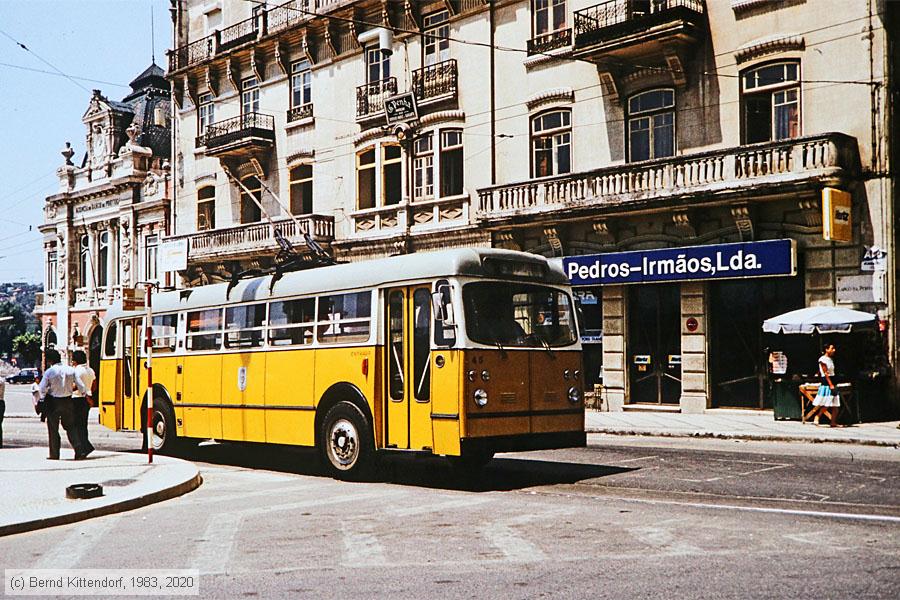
point(518, 315)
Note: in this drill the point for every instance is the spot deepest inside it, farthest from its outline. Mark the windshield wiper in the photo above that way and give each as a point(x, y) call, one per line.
point(500, 348)
point(546, 346)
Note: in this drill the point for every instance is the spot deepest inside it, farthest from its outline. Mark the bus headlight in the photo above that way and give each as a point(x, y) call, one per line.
point(470, 375)
point(485, 375)
point(574, 395)
point(566, 374)
point(576, 374)
point(480, 397)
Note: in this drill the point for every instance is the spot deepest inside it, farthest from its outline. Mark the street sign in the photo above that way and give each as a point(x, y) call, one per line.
point(401, 108)
point(134, 298)
point(768, 258)
point(173, 255)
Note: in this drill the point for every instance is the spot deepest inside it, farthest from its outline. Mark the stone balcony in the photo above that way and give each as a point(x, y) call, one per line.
point(745, 173)
point(242, 240)
point(97, 297)
point(420, 216)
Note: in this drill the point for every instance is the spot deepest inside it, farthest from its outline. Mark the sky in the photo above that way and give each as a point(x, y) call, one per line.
point(108, 41)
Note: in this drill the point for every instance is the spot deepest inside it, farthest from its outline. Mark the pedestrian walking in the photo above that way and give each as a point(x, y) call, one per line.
point(82, 398)
point(827, 396)
point(56, 390)
point(36, 398)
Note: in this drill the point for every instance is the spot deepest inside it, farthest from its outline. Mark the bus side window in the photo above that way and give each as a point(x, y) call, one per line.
point(204, 329)
point(345, 318)
point(444, 320)
point(291, 322)
point(244, 326)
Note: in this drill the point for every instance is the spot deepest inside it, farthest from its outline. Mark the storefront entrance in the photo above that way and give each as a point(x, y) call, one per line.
point(654, 344)
point(738, 362)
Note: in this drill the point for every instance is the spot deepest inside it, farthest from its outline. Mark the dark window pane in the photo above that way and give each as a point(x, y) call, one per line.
point(639, 139)
point(452, 172)
point(393, 183)
point(757, 118)
point(397, 359)
point(422, 343)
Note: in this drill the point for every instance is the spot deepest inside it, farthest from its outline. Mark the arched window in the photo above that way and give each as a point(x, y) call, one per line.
point(206, 208)
point(770, 102)
point(651, 125)
point(84, 262)
point(250, 211)
point(103, 259)
point(551, 143)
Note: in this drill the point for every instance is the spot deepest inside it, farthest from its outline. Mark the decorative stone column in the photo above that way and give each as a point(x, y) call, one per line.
point(613, 347)
point(695, 397)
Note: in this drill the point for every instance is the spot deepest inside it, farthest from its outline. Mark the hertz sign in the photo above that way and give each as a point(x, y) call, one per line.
point(837, 211)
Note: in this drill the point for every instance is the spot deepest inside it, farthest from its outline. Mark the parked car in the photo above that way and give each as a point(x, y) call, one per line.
point(23, 376)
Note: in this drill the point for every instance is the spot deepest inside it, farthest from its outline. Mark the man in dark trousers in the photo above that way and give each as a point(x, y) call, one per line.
point(82, 401)
point(56, 390)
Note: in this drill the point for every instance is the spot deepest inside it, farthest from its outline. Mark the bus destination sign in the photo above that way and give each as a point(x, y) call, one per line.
point(770, 258)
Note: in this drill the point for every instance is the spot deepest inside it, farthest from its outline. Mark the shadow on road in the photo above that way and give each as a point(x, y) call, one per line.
point(501, 474)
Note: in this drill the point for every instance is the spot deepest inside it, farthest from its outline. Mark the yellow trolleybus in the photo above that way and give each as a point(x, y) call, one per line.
point(461, 353)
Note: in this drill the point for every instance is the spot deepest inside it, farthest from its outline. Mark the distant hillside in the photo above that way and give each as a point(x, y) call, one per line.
point(21, 294)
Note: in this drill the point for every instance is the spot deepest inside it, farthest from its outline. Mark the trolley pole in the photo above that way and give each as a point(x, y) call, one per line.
point(148, 340)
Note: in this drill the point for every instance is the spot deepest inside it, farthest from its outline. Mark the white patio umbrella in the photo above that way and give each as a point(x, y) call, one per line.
point(818, 319)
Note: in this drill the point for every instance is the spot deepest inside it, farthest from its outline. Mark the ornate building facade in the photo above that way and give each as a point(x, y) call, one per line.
point(568, 128)
point(103, 227)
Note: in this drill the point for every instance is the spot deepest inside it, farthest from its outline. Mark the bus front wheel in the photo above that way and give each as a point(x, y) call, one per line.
point(345, 442)
point(164, 434)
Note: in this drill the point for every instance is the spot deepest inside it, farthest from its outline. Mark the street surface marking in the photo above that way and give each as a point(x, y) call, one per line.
point(455, 504)
point(223, 527)
point(663, 539)
point(361, 547)
point(80, 541)
point(214, 550)
point(637, 459)
point(513, 547)
point(783, 511)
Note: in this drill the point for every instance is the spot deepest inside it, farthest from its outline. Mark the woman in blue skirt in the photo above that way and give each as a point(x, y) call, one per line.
point(827, 396)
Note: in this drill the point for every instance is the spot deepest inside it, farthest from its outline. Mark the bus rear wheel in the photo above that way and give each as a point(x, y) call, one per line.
point(345, 442)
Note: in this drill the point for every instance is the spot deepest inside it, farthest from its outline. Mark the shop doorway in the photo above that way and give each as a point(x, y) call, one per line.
point(738, 362)
point(654, 344)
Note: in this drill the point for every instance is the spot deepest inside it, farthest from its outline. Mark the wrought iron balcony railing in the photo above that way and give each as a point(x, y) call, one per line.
point(550, 41)
point(285, 16)
point(247, 127)
point(192, 54)
point(241, 239)
point(435, 81)
point(807, 161)
point(608, 19)
point(297, 113)
point(370, 96)
point(237, 34)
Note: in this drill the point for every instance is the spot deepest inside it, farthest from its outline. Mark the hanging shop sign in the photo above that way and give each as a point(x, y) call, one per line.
point(401, 108)
point(172, 256)
point(771, 258)
point(837, 225)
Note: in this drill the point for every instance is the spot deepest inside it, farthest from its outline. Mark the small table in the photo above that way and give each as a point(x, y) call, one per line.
point(808, 393)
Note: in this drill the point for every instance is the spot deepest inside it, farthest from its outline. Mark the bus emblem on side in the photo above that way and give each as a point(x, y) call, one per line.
point(242, 378)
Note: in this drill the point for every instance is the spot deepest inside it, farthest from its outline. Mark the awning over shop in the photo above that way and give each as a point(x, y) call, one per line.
point(821, 319)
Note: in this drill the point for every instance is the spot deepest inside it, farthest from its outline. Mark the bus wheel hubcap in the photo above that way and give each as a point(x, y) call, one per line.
point(159, 430)
point(344, 443)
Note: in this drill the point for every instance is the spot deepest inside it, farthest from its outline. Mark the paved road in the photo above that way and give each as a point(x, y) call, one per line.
point(623, 517)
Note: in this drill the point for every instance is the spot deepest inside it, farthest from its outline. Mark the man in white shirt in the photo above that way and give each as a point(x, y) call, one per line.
point(82, 401)
point(56, 390)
